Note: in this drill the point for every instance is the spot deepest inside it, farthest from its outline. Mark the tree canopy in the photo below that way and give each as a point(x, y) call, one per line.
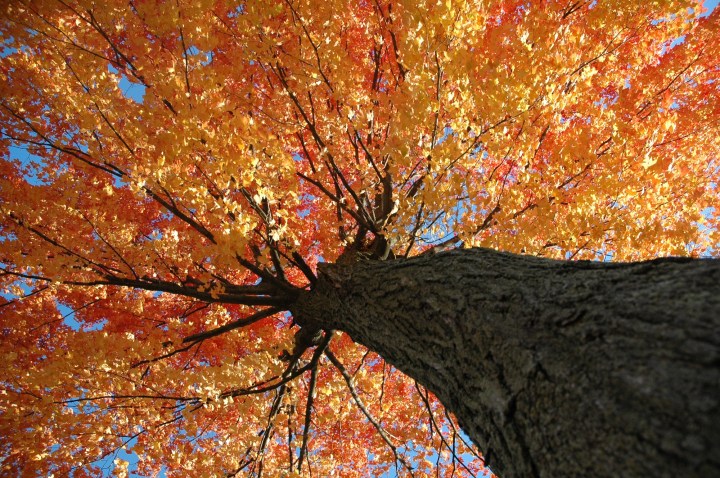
point(173, 172)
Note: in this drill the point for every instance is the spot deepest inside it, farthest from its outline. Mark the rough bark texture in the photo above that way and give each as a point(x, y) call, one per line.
point(553, 368)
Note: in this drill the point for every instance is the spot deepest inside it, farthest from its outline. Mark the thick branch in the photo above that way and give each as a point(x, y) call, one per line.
point(554, 368)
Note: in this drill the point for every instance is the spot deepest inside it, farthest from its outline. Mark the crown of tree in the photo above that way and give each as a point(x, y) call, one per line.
point(175, 174)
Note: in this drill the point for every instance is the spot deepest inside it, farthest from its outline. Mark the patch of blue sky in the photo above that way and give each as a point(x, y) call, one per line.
point(447, 132)
point(239, 10)
point(130, 89)
point(709, 5)
point(208, 58)
point(69, 318)
point(410, 451)
point(32, 164)
point(9, 296)
point(677, 41)
point(607, 100)
point(6, 50)
point(708, 213)
point(125, 450)
point(7, 236)
point(107, 464)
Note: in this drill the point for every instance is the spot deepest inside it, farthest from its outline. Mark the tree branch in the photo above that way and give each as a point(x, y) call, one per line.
point(358, 401)
point(244, 322)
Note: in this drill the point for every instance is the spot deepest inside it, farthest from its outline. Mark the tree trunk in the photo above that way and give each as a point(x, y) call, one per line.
point(553, 368)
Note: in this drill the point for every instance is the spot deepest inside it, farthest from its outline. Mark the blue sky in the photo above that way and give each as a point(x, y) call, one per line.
point(711, 4)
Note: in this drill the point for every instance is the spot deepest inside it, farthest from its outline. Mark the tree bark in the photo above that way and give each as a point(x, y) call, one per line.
point(553, 368)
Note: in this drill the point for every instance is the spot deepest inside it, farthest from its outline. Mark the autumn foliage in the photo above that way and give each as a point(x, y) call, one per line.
point(173, 171)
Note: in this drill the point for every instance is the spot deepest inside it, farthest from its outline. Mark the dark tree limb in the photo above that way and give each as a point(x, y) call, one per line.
point(235, 324)
point(553, 368)
point(308, 417)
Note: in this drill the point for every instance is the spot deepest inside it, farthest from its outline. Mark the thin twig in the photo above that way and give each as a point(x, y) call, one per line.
point(361, 405)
